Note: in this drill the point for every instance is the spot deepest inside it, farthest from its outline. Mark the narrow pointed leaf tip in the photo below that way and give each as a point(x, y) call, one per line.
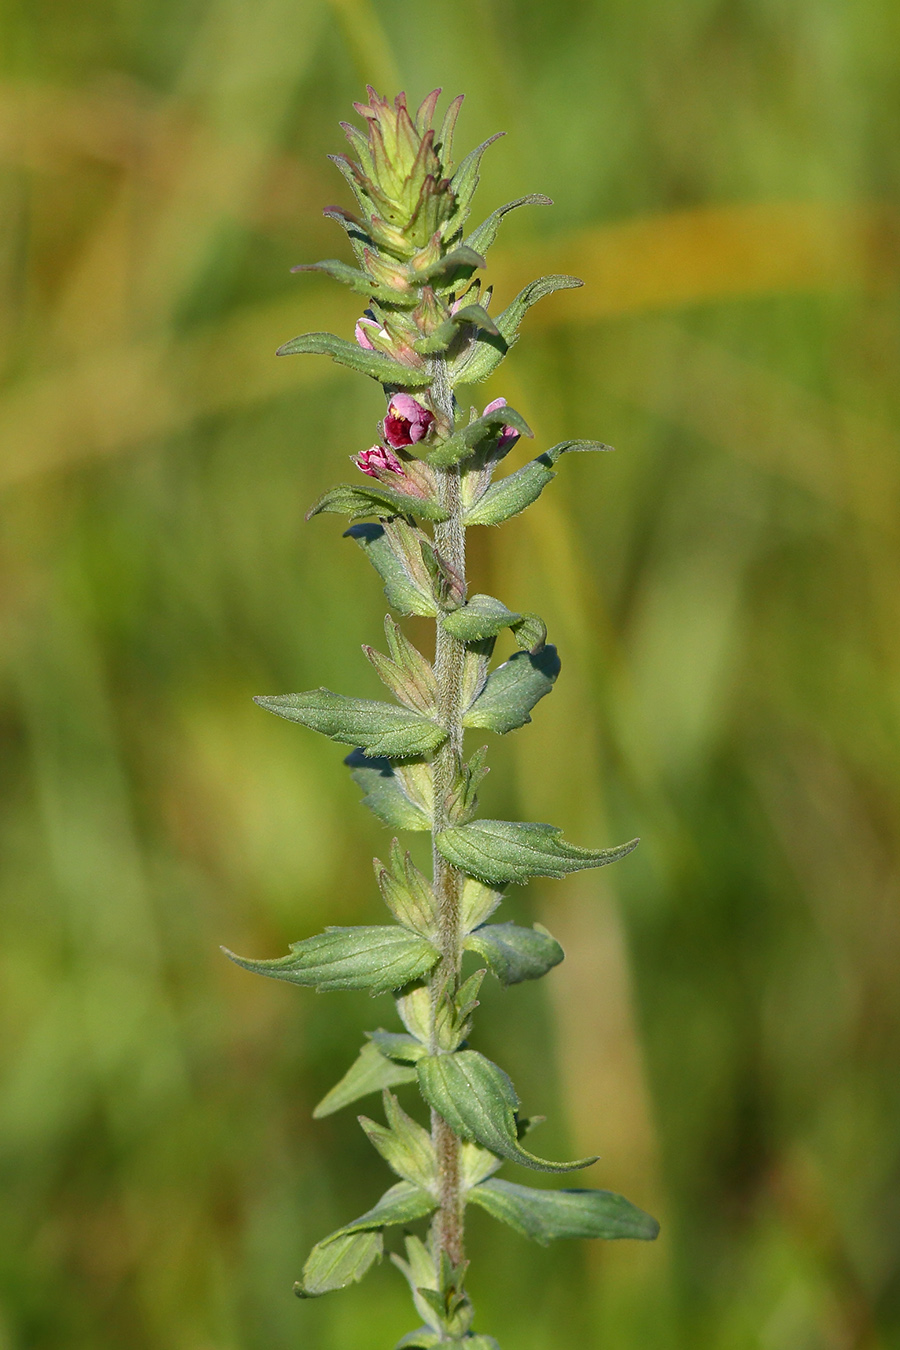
point(350, 354)
point(499, 852)
point(478, 1102)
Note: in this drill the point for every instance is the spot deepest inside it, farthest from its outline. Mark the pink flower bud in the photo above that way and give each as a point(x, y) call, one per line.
point(378, 460)
point(406, 422)
point(508, 435)
point(362, 336)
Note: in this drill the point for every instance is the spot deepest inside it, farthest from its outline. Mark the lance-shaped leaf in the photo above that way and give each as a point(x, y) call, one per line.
point(484, 235)
point(377, 958)
point(487, 352)
point(546, 1215)
point(349, 499)
point(513, 689)
point(370, 1072)
point(384, 793)
point(406, 673)
point(358, 281)
point(405, 1146)
point(335, 1263)
point(379, 728)
point(466, 440)
point(403, 1203)
point(478, 1102)
point(345, 353)
point(481, 617)
point(447, 332)
point(515, 954)
point(407, 893)
point(406, 592)
point(516, 491)
point(498, 852)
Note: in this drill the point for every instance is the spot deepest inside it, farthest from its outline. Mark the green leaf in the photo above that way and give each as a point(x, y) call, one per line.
point(476, 1164)
point(498, 852)
point(406, 672)
point(518, 490)
point(447, 332)
point(345, 353)
point(339, 271)
point(513, 689)
point(478, 1102)
point(384, 794)
point(397, 1045)
point(404, 591)
point(477, 904)
point(403, 1203)
point(443, 272)
point(377, 958)
point(484, 235)
point(515, 954)
point(466, 440)
point(530, 632)
point(487, 352)
point(481, 617)
point(369, 1072)
point(379, 728)
point(348, 499)
point(546, 1215)
point(407, 893)
point(405, 1146)
point(335, 1263)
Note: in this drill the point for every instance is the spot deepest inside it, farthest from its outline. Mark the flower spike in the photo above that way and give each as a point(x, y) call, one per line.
point(428, 477)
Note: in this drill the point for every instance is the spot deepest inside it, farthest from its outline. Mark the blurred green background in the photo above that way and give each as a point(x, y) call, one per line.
point(724, 591)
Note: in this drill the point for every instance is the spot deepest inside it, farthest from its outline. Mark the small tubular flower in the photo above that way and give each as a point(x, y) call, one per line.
point(508, 435)
point(378, 460)
point(407, 421)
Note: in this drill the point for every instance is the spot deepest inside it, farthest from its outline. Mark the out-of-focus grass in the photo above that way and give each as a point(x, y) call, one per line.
point(726, 1029)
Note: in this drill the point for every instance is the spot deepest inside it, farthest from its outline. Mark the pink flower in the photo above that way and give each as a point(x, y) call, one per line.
point(362, 336)
point(508, 435)
point(406, 422)
point(378, 460)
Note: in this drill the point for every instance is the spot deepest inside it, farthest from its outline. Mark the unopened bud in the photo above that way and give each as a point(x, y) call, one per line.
point(378, 460)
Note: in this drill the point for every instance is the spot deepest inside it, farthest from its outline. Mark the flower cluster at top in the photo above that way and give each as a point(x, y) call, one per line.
point(425, 326)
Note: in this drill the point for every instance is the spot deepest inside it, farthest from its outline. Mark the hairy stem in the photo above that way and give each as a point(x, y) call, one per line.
point(449, 538)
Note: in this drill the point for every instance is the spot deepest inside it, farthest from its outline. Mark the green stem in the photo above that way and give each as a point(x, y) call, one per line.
point(449, 539)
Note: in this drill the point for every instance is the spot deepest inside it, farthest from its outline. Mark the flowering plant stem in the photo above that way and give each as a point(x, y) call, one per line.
point(449, 661)
point(427, 330)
